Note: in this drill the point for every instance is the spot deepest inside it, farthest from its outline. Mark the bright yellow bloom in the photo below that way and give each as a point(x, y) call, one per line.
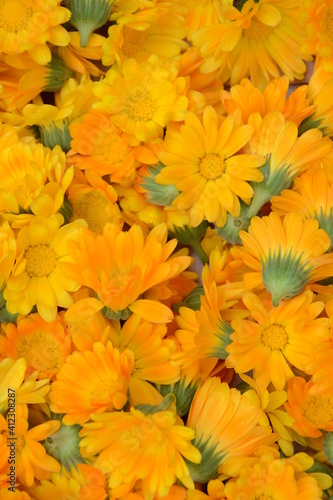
point(155, 28)
point(91, 383)
point(85, 481)
point(12, 375)
point(272, 477)
point(313, 413)
point(201, 161)
point(43, 345)
point(319, 365)
point(31, 459)
point(227, 428)
point(39, 277)
point(94, 201)
point(134, 446)
point(285, 256)
point(249, 99)
point(103, 148)
point(125, 267)
point(277, 338)
point(143, 98)
point(201, 14)
point(259, 41)
point(26, 25)
point(316, 20)
point(32, 178)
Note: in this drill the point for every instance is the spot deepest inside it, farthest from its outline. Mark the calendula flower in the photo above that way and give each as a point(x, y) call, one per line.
point(158, 28)
point(201, 161)
point(126, 266)
point(312, 413)
point(285, 256)
point(78, 59)
point(33, 178)
point(249, 99)
point(257, 41)
point(319, 366)
point(91, 383)
point(272, 477)
point(43, 345)
point(22, 79)
point(29, 391)
point(316, 20)
point(83, 481)
point(102, 147)
point(27, 25)
point(31, 459)
point(319, 89)
point(143, 98)
point(226, 426)
point(38, 277)
point(312, 198)
point(93, 200)
point(201, 14)
point(278, 338)
point(135, 445)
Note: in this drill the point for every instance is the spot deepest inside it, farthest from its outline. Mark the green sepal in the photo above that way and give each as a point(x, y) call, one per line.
point(63, 445)
point(116, 315)
point(309, 123)
point(66, 210)
point(328, 447)
point(157, 193)
point(230, 231)
point(326, 223)
point(53, 135)
point(88, 15)
point(6, 316)
point(321, 468)
point(164, 405)
point(183, 394)
point(223, 332)
point(192, 300)
point(284, 276)
point(57, 75)
point(210, 461)
point(192, 236)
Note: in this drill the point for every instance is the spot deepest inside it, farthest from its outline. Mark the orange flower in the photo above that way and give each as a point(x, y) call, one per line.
point(122, 266)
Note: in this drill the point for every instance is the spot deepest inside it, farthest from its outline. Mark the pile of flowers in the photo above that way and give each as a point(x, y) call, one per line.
point(136, 137)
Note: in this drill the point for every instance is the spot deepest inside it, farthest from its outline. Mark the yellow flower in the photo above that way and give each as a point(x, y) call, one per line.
point(227, 428)
point(31, 459)
point(201, 161)
point(133, 446)
point(26, 25)
point(318, 364)
point(272, 477)
point(43, 345)
point(77, 58)
point(259, 41)
point(156, 28)
point(201, 14)
point(143, 98)
point(276, 335)
point(102, 147)
point(91, 383)
point(39, 277)
point(319, 91)
point(126, 266)
point(285, 256)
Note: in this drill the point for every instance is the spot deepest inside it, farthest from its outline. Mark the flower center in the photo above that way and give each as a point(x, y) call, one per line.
point(329, 23)
point(111, 392)
point(275, 337)
point(15, 14)
point(41, 260)
point(257, 30)
point(212, 166)
point(114, 148)
point(140, 106)
point(93, 209)
point(133, 41)
point(40, 351)
point(319, 410)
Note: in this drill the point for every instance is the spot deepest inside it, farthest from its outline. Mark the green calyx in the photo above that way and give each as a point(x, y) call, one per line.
point(156, 193)
point(183, 393)
point(284, 276)
point(52, 135)
point(223, 333)
point(57, 75)
point(326, 223)
point(188, 235)
point(116, 315)
point(309, 123)
point(88, 16)
point(193, 300)
point(210, 461)
point(63, 445)
point(66, 210)
point(164, 405)
point(230, 231)
point(5, 315)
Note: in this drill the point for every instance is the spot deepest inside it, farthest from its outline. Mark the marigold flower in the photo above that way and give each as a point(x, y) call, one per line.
point(38, 277)
point(134, 446)
point(201, 161)
point(126, 265)
point(143, 98)
point(43, 345)
point(26, 25)
point(285, 256)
